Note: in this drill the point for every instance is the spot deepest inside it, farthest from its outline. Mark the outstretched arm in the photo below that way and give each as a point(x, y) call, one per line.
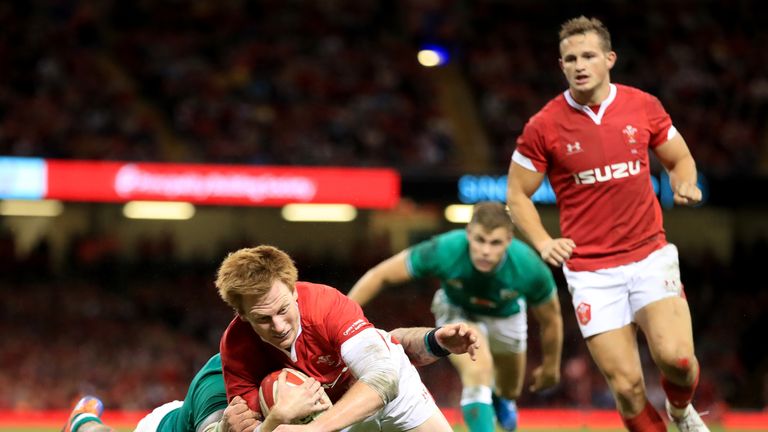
point(393, 270)
point(521, 184)
point(551, 328)
point(455, 338)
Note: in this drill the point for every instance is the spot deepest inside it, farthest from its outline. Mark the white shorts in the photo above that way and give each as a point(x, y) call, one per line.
point(413, 405)
point(608, 299)
point(152, 420)
point(508, 334)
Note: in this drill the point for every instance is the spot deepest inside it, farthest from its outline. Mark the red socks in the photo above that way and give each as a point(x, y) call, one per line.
point(648, 420)
point(679, 396)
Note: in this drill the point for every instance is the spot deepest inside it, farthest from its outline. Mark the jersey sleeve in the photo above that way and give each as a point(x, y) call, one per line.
point(422, 258)
point(531, 151)
point(243, 366)
point(659, 121)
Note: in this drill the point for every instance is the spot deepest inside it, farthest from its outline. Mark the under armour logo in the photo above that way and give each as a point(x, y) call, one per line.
point(573, 148)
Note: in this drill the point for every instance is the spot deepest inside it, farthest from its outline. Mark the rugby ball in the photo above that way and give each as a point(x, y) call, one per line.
point(268, 391)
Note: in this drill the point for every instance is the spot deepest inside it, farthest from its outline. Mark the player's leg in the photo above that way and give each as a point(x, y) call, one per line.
point(665, 319)
point(668, 330)
point(476, 382)
point(508, 339)
point(603, 311)
point(510, 374)
point(616, 355)
point(86, 416)
point(476, 376)
point(160, 415)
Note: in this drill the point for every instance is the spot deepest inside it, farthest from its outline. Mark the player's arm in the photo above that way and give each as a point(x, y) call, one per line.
point(550, 322)
point(521, 184)
point(678, 161)
point(378, 375)
point(391, 271)
point(425, 345)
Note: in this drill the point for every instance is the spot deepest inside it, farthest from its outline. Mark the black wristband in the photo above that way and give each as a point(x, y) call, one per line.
point(433, 347)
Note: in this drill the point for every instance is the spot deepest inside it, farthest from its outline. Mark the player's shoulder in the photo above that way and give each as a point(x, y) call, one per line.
point(443, 242)
point(520, 248)
point(456, 237)
point(315, 293)
point(238, 338)
point(524, 253)
point(317, 300)
point(549, 111)
point(624, 91)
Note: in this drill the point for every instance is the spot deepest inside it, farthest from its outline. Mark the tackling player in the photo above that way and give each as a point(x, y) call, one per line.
point(206, 399)
point(593, 141)
point(488, 279)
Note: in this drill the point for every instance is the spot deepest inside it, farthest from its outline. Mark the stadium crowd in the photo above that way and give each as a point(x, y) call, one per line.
point(336, 82)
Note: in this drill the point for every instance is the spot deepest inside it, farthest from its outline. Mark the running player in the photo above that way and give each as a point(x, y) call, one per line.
point(488, 279)
point(592, 141)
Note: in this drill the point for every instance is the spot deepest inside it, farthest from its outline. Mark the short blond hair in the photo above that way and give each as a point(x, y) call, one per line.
point(584, 25)
point(491, 215)
point(253, 271)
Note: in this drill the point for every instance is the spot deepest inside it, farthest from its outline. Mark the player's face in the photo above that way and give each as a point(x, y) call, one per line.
point(586, 67)
point(487, 248)
point(275, 316)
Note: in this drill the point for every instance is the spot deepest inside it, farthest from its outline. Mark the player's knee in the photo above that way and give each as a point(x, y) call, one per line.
point(679, 366)
point(627, 387)
point(476, 377)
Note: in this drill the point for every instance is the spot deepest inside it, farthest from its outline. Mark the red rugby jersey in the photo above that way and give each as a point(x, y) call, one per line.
point(328, 318)
point(598, 165)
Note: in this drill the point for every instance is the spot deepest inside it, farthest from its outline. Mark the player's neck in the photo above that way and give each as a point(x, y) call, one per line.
point(593, 97)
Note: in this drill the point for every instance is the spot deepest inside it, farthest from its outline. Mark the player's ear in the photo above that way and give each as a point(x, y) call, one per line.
point(610, 58)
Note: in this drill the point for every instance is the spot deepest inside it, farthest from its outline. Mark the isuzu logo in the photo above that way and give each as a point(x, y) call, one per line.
point(608, 172)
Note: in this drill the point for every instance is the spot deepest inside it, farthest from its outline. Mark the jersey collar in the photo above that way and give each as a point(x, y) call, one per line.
point(597, 118)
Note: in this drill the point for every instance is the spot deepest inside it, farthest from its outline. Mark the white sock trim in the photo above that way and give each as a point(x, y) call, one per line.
point(477, 394)
point(83, 418)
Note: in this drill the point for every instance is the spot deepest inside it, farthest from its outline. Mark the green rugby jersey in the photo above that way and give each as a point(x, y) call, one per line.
point(205, 396)
point(521, 274)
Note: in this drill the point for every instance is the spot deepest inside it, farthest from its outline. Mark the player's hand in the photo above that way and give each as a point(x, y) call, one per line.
point(297, 402)
point(238, 417)
point(458, 338)
point(687, 194)
point(557, 251)
point(544, 378)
